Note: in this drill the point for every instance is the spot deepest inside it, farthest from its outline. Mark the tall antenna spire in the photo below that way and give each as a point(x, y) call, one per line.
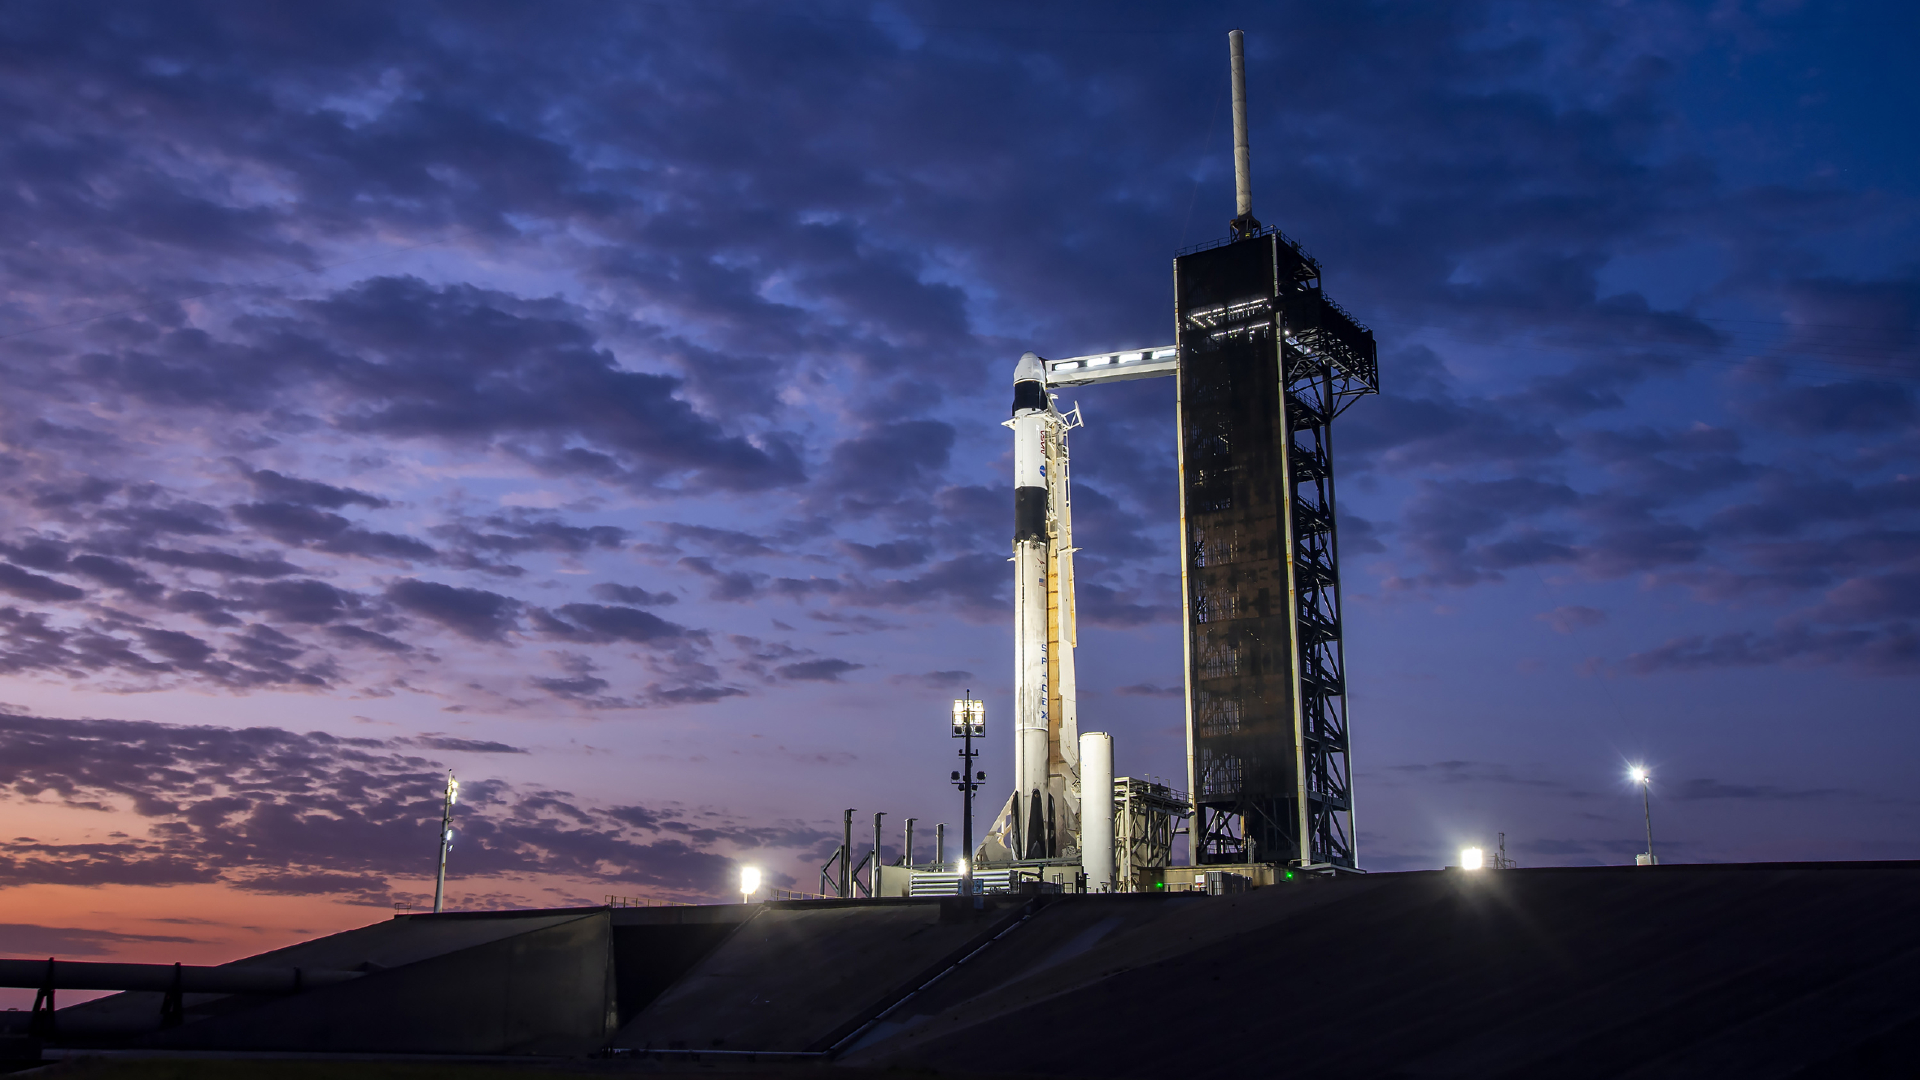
point(1244, 223)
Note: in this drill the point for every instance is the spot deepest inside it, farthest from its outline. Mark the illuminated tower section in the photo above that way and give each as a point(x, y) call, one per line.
point(1266, 362)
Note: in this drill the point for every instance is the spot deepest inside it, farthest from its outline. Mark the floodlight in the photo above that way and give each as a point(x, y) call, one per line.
point(969, 717)
point(1638, 774)
point(1471, 858)
point(749, 882)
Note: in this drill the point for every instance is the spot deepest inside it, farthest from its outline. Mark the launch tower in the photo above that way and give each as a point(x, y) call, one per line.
point(1263, 361)
point(1266, 363)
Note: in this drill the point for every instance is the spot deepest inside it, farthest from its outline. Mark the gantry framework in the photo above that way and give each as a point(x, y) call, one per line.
point(1146, 817)
point(1264, 362)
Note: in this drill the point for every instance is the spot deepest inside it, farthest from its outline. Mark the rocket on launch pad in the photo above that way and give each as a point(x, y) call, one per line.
point(1263, 361)
point(1041, 819)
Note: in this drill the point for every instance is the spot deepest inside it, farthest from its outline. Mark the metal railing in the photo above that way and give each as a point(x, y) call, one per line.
point(644, 901)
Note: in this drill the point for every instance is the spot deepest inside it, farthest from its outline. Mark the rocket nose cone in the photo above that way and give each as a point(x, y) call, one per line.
point(1030, 369)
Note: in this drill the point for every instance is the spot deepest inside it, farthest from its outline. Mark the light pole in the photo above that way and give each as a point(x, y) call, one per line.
point(1641, 776)
point(969, 723)
point(446, 841)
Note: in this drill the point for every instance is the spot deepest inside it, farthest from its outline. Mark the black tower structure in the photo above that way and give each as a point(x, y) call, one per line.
point(1267, 362)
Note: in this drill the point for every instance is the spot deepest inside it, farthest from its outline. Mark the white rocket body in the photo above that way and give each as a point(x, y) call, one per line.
point(1042, 818)
point(1031, 418)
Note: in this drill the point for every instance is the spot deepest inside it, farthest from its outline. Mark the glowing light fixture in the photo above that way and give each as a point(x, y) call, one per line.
point(969, 717)
point(1472, 858)
point(749, 882)
point(1639, 775)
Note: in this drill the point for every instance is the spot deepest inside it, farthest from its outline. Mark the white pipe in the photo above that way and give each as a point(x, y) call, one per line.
point(1096, 810)
point(1242, 160)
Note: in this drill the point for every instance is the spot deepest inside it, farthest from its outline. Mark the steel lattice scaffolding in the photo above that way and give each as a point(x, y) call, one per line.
point(1266, 362)
point(1146, 818)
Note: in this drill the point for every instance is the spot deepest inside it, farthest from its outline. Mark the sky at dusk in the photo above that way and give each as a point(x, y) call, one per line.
point(604, 401)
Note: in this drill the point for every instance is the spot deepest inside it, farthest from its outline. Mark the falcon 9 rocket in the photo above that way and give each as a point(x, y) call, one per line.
point(1041, 820)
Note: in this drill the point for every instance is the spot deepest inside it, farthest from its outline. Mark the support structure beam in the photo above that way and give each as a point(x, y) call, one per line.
point(1119, 366)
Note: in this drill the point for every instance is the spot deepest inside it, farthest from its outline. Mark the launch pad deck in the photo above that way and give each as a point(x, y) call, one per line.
point(1766, 970)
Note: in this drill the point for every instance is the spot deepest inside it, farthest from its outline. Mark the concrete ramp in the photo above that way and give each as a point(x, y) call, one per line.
point(1787, 971)
point(1067, 943)
point(1674, 971)
point(803, 977)
point(386, 951)
point(654, 947)
point(543, 983)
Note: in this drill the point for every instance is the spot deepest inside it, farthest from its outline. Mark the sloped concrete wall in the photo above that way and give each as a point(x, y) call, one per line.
point(548, 990)
point(1806, 970)
point(134, 1018)
point(1753, 971)
point(798, 978)
point(541, 982)
point(654, 947)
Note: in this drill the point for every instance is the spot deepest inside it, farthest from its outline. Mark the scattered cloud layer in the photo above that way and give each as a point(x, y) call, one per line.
point(597, 363)
point(267, 810)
